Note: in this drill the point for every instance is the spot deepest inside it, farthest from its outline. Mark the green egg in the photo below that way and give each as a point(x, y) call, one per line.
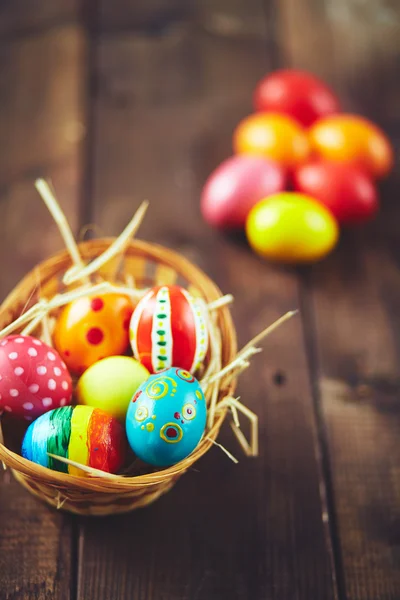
point(110, 383)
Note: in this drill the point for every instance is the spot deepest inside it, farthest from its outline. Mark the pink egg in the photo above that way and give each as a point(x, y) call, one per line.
point(33, 377)
point(236, 186)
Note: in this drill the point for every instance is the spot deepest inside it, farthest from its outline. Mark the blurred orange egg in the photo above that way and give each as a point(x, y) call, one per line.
point(353, 139)
point(272, 135)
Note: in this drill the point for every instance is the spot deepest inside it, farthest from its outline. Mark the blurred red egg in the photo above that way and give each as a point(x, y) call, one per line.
point(297, 93)
point(347, 191)
point(236, 186)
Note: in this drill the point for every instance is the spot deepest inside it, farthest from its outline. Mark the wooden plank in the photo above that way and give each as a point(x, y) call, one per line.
point(354, 295)
point(358, 357)
point(151, 16)
point(37, 103)
point(19, 17)
point(164, 114)
point(35, 546)
point(43, 78)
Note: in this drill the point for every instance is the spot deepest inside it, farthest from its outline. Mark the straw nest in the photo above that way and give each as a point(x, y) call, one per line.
point(131, 267)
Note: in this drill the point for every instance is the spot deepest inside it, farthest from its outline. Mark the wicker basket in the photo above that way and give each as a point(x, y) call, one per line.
point(149, 264)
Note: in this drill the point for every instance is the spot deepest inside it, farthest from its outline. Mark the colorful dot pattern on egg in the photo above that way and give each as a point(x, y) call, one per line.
point(34, 378)
point(95, 336)
point(97, 304)
point(161, 334)
point(92, 328)
point(171, 433)
point(168, 419)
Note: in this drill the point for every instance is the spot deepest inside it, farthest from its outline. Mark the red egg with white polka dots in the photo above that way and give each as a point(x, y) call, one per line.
point(91, 328)
point(33, 377)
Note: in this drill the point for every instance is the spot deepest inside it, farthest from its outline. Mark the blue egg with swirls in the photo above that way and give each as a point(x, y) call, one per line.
point(166, 418)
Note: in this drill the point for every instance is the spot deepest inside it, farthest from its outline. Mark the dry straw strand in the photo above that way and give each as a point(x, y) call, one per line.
point(46, 335)
point(90, 470)
point(221, 302)
point(241, 439)
point(49, 199)
point(35, 322)
point(76, 273)
point(229, 455)
point(61, 500)
point(241, 360)
point(267, 331)
point(35, 315)
point(21, 320)
point(235, 416)
point(253, 418)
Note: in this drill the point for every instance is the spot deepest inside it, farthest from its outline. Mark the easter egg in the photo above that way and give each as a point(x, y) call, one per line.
point(110, 384)
point(169, 328)
point(347, 191)
point(292, 228)
point(33, 377)
point(166, 418)
point(91, 328)
point(83, 434)
point(274, 136)
point(235, 186)
point(353, 139)
point(297, 93)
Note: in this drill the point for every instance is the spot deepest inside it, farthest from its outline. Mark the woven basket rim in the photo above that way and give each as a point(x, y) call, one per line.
point(184, 267)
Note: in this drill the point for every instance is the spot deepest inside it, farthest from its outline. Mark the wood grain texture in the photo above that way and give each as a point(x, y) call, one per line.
point(21, 17)
point(152, 16)
point(164, 114)
point(41, 117)
point(352, 45)
point(41, 121)
point(352, 302)
point(35, 547)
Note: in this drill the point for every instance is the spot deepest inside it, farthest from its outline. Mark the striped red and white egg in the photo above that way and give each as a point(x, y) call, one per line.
point(33, 377)
point(169, 328)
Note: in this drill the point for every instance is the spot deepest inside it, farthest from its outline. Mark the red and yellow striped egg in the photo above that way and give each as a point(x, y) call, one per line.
point(169, 329)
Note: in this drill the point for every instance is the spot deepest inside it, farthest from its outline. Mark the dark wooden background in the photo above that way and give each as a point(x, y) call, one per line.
point(125, 100)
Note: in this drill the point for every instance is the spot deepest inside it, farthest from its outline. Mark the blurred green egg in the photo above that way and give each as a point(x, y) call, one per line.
point(291, 228)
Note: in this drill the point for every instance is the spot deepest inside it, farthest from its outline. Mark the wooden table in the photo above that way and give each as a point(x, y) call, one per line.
point(120, 101)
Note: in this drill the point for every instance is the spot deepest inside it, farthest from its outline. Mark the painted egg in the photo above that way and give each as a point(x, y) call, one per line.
point(91, 328)
point(236, 185)
point(33, 377)
point(169, 328)
point(353, 139)
point(346, 190)
point(110, 384)
point(291, 228)
point(297, 93)
point(166, 418)
point(272, 135)
point(83, 434)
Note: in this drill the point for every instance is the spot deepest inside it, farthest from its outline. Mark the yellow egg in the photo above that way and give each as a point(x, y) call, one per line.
point(291, 228)
point(111, 383)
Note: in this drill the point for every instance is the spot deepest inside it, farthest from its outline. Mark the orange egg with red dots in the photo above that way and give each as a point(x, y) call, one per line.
point(91, 328)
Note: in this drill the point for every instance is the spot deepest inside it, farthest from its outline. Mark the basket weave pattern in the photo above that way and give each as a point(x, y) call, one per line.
point(149, 265)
